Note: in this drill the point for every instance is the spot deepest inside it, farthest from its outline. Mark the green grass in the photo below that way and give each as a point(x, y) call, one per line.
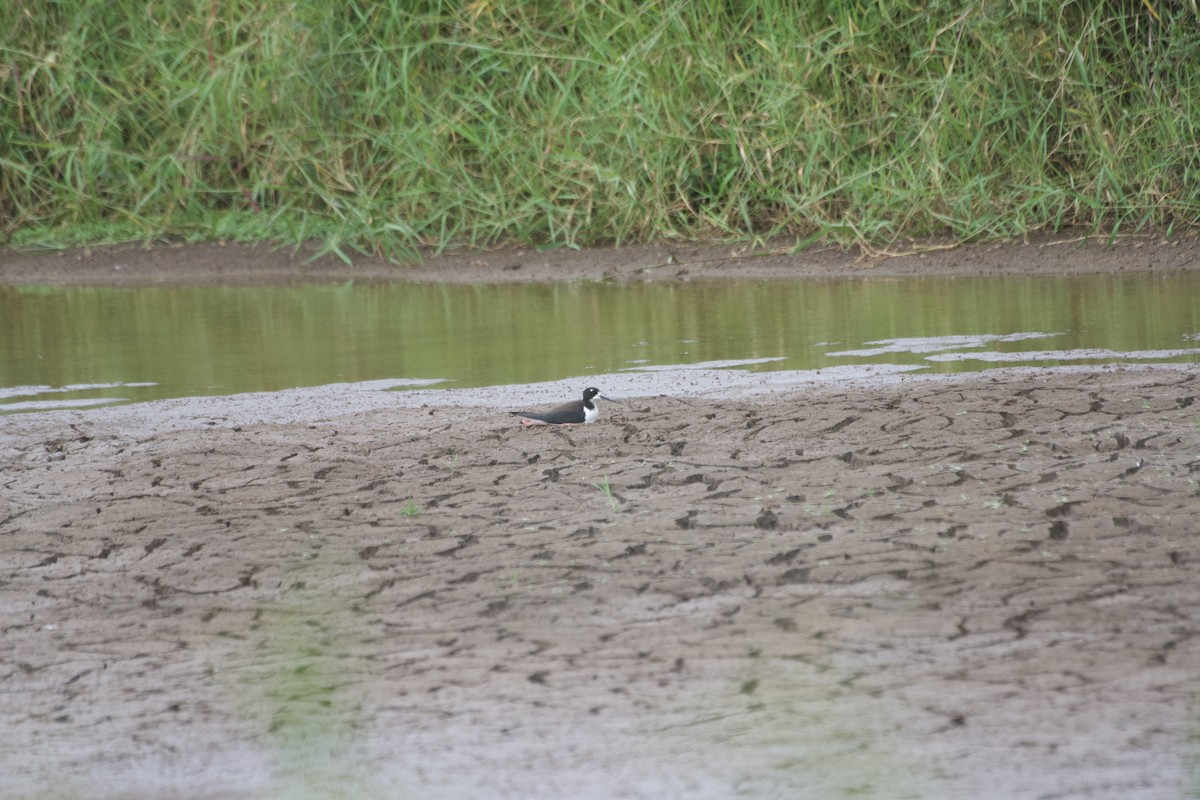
point(387, 126)
point(606, 489)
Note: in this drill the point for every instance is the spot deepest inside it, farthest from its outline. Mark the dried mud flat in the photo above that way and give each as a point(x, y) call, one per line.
point(978, 586)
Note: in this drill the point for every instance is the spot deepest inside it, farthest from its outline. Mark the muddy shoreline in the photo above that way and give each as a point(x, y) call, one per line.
point(879, 586)
point(1043, 254)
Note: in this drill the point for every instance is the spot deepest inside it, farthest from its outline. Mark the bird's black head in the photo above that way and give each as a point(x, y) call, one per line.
point(589, 393)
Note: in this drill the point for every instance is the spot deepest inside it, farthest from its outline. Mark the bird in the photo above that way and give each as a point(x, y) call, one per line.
point(580, 411)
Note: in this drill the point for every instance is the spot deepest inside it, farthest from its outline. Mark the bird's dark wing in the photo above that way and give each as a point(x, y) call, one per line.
point(554, 417)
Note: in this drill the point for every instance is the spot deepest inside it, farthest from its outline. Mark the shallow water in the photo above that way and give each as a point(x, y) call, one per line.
point(67, 347)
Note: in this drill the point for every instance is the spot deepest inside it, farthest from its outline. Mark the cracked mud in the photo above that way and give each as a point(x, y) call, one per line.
point(977, 586)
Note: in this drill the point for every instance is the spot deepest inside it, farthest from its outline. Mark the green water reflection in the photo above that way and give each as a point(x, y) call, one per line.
point(219, 340)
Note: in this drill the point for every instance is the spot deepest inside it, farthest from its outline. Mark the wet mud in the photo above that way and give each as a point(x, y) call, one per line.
point(981, 586)
point(1071, 252)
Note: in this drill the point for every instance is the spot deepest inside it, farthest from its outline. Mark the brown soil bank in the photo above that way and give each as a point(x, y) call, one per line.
point(939, 588)
point(1058, 254)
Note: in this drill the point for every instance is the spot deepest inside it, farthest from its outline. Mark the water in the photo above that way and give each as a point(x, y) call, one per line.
point(72, 346)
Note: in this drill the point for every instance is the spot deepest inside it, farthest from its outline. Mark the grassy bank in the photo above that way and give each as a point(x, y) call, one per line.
point(386, 125)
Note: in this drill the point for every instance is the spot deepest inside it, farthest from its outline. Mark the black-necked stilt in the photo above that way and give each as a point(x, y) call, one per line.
point(581, 411)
